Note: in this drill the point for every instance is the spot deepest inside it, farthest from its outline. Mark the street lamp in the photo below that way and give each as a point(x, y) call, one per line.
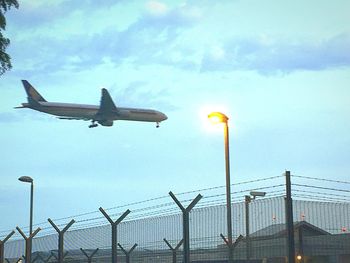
point(218, 117)
point(248, 198)
point(27, 179)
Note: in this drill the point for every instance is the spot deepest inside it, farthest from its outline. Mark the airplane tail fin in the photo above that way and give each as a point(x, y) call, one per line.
point(33, 95)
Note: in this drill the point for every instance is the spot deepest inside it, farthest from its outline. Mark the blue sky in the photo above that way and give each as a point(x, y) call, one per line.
point(279, 70)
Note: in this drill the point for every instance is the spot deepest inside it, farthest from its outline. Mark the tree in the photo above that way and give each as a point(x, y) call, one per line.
point(5, 59)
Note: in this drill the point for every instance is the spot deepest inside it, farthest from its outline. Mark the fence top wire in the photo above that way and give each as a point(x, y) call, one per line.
point(320, 198)
point(321, 179)
point(323, 188)
point(320, 189)
point(323, 194)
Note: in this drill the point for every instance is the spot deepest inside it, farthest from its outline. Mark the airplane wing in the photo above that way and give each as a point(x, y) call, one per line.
point(107, 105)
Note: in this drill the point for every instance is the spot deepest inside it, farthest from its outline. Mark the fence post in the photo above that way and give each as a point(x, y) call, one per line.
point(247, 200)
point(2, 245)
point(289, 220)
point(127, 253)
point(91, 255)
point(186, 224)
point(60, 237)
point(114, 225)
point(28, 241)
point(174, 249)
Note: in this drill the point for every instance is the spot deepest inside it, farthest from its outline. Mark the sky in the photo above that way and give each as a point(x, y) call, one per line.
point(280, 70)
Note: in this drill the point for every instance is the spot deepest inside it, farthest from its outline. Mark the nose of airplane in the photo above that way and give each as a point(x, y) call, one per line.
point(164, 117)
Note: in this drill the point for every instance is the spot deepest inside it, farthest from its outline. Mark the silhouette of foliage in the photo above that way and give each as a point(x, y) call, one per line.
point(5, 59)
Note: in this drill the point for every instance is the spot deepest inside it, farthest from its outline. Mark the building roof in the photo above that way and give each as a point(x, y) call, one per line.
point(279, 230)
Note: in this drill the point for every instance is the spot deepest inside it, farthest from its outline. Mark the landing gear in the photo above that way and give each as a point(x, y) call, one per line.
point(157, 126)
point(93, 124)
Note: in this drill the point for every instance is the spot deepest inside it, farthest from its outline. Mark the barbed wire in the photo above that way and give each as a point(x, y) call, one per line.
point(320, 193)
point(321, 179)
point(318, 198)
point(321, 187)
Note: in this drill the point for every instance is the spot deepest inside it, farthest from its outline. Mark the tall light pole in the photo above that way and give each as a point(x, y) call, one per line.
point(27, 179)
point(218, 117)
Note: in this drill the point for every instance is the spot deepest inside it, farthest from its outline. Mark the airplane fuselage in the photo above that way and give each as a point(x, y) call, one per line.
point(85, 111)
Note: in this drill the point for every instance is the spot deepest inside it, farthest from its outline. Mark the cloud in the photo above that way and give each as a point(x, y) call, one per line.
point(149, 40)
point(160, 16)
point(39, 13)
point(157, 8)
point(138, 94)
point(269, 56)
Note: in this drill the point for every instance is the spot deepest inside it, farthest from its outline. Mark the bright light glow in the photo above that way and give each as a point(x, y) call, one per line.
point(217, 117)
point(299, 257)
point(207, 125)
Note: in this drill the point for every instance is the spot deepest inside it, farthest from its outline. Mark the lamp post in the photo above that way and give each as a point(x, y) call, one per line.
point(248, 198)
point(218, 117)
point(27, 179)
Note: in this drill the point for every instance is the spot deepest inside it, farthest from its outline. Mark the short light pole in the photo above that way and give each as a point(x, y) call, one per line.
point(28, 179)
point(247, 200)
point(218, 117)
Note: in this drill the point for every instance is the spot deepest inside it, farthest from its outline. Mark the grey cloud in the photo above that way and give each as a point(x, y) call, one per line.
point(147, 41)
point(138, 94)
point(29, 17)
point(253, 54)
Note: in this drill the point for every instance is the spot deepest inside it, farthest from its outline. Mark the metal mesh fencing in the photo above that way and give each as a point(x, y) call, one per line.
point(321, 215)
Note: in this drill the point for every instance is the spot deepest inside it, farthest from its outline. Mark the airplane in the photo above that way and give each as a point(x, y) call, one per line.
point(104, 114)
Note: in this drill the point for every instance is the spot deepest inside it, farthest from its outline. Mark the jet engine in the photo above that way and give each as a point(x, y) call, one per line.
point(106, 123)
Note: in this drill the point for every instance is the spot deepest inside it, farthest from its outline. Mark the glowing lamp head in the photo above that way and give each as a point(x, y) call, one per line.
point(217, 117)
point(298, 257)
